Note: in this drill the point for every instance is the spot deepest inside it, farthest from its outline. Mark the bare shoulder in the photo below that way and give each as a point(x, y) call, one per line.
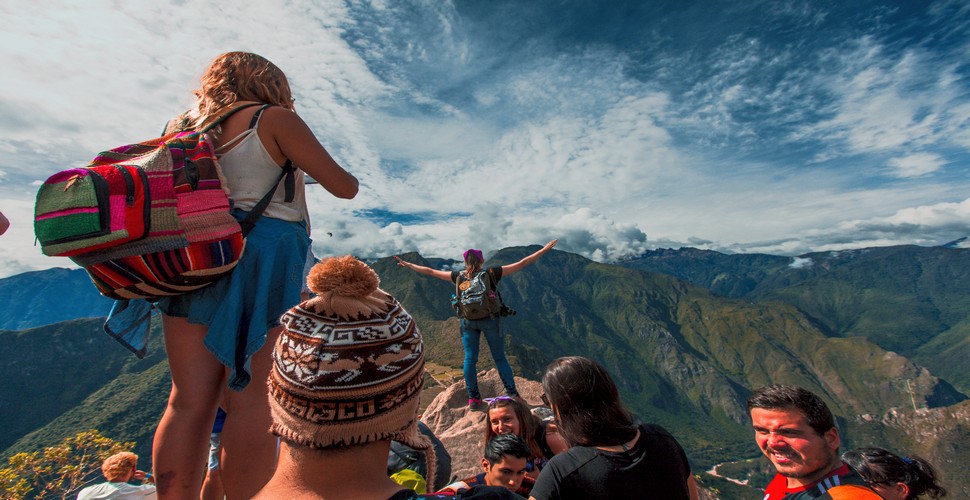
point(283, 119)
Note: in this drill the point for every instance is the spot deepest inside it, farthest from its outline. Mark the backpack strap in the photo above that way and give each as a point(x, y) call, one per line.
point(458, 282)
point(181, 123)
point(288, 172)
point(287, 177)
point(256, 115)
point(211, 123)
point(289, 186)
point(490, 280)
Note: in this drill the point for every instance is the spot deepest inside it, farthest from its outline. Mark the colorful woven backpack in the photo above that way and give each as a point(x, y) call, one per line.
point(147, 220)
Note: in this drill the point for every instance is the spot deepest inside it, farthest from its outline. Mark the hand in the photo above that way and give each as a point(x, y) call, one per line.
point(401, 262)
point(143, 476)
point(550, 245)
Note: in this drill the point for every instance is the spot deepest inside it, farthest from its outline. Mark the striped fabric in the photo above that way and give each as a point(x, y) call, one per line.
point(84, 209)
point(186, 238)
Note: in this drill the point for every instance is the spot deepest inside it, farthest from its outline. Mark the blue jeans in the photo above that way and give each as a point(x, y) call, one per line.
point(471, 329)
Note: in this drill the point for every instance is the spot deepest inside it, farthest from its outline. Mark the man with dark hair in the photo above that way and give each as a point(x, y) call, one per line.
point(505, 464)
point(796, 431)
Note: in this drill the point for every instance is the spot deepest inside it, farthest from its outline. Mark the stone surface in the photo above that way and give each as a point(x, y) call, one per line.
point(463, 430)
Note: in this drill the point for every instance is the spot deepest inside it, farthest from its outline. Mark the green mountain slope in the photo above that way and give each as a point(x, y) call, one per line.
point(71, 376)
point(683, 356)
point(908, 299)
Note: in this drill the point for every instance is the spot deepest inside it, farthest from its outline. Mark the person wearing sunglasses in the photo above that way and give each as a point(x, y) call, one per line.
point(507, 415)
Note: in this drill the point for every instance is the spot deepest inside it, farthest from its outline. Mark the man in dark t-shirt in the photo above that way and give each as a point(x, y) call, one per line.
point(654, 467)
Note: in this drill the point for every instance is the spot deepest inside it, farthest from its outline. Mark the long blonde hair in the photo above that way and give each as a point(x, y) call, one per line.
point(240, 76)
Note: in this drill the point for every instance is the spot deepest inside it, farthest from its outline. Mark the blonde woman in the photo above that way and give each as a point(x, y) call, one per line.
point(221, 336)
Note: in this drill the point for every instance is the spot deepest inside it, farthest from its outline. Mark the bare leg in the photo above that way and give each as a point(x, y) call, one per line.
point(249, 449)
point(212, 486)
point(180, 447)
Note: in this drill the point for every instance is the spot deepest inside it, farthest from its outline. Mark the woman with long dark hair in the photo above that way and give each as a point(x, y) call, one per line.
point(490, 326)
point(611, 455)
point(895, 477)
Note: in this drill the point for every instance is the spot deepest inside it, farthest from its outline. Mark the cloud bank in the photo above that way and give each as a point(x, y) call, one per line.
point(757, 127)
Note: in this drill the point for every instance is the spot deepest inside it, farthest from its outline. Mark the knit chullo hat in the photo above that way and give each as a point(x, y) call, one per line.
point(349, 365)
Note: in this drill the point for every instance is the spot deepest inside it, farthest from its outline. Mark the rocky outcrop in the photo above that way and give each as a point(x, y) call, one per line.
point(462, 430)
point(940, 435)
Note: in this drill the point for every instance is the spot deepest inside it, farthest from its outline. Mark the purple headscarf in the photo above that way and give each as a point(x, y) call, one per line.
point(477, 253)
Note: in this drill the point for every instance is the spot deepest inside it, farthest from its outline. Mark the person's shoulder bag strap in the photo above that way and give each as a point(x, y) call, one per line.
point(287, 177)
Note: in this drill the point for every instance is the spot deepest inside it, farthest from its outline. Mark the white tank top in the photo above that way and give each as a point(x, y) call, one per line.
point(250, 172)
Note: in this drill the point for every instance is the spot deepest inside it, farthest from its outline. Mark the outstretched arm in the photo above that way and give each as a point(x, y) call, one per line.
point(518, 266)
point(297, 142)
point(442, 275)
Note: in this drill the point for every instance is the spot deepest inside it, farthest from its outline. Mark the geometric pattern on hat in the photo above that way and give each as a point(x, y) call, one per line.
point(348, 367)
point(351, 408)
point(337, 331)
point(325, 353)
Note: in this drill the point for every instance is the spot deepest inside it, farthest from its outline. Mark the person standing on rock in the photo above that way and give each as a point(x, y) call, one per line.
point(480, 310)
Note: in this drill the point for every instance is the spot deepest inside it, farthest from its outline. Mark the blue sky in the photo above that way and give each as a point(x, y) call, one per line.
point(617, 127)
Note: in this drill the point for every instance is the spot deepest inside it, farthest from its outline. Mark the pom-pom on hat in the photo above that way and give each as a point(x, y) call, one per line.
point(348, 367)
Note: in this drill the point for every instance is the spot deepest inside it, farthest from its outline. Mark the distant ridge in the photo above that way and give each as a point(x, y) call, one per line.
point(957, 243)
point(38, 298)
point(908, 299)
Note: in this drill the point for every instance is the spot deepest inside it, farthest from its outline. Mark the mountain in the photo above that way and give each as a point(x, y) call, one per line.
point(938, 435)
point(683, 356)
point(39, 298)
point(908, 299)
point(64, 378)
point(686, 357)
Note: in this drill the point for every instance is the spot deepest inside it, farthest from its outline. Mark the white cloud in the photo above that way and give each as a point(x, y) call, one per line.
point(927, 225)
point(488, 143)
point(889, 103)
point(916, 165)
point(938, 215)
